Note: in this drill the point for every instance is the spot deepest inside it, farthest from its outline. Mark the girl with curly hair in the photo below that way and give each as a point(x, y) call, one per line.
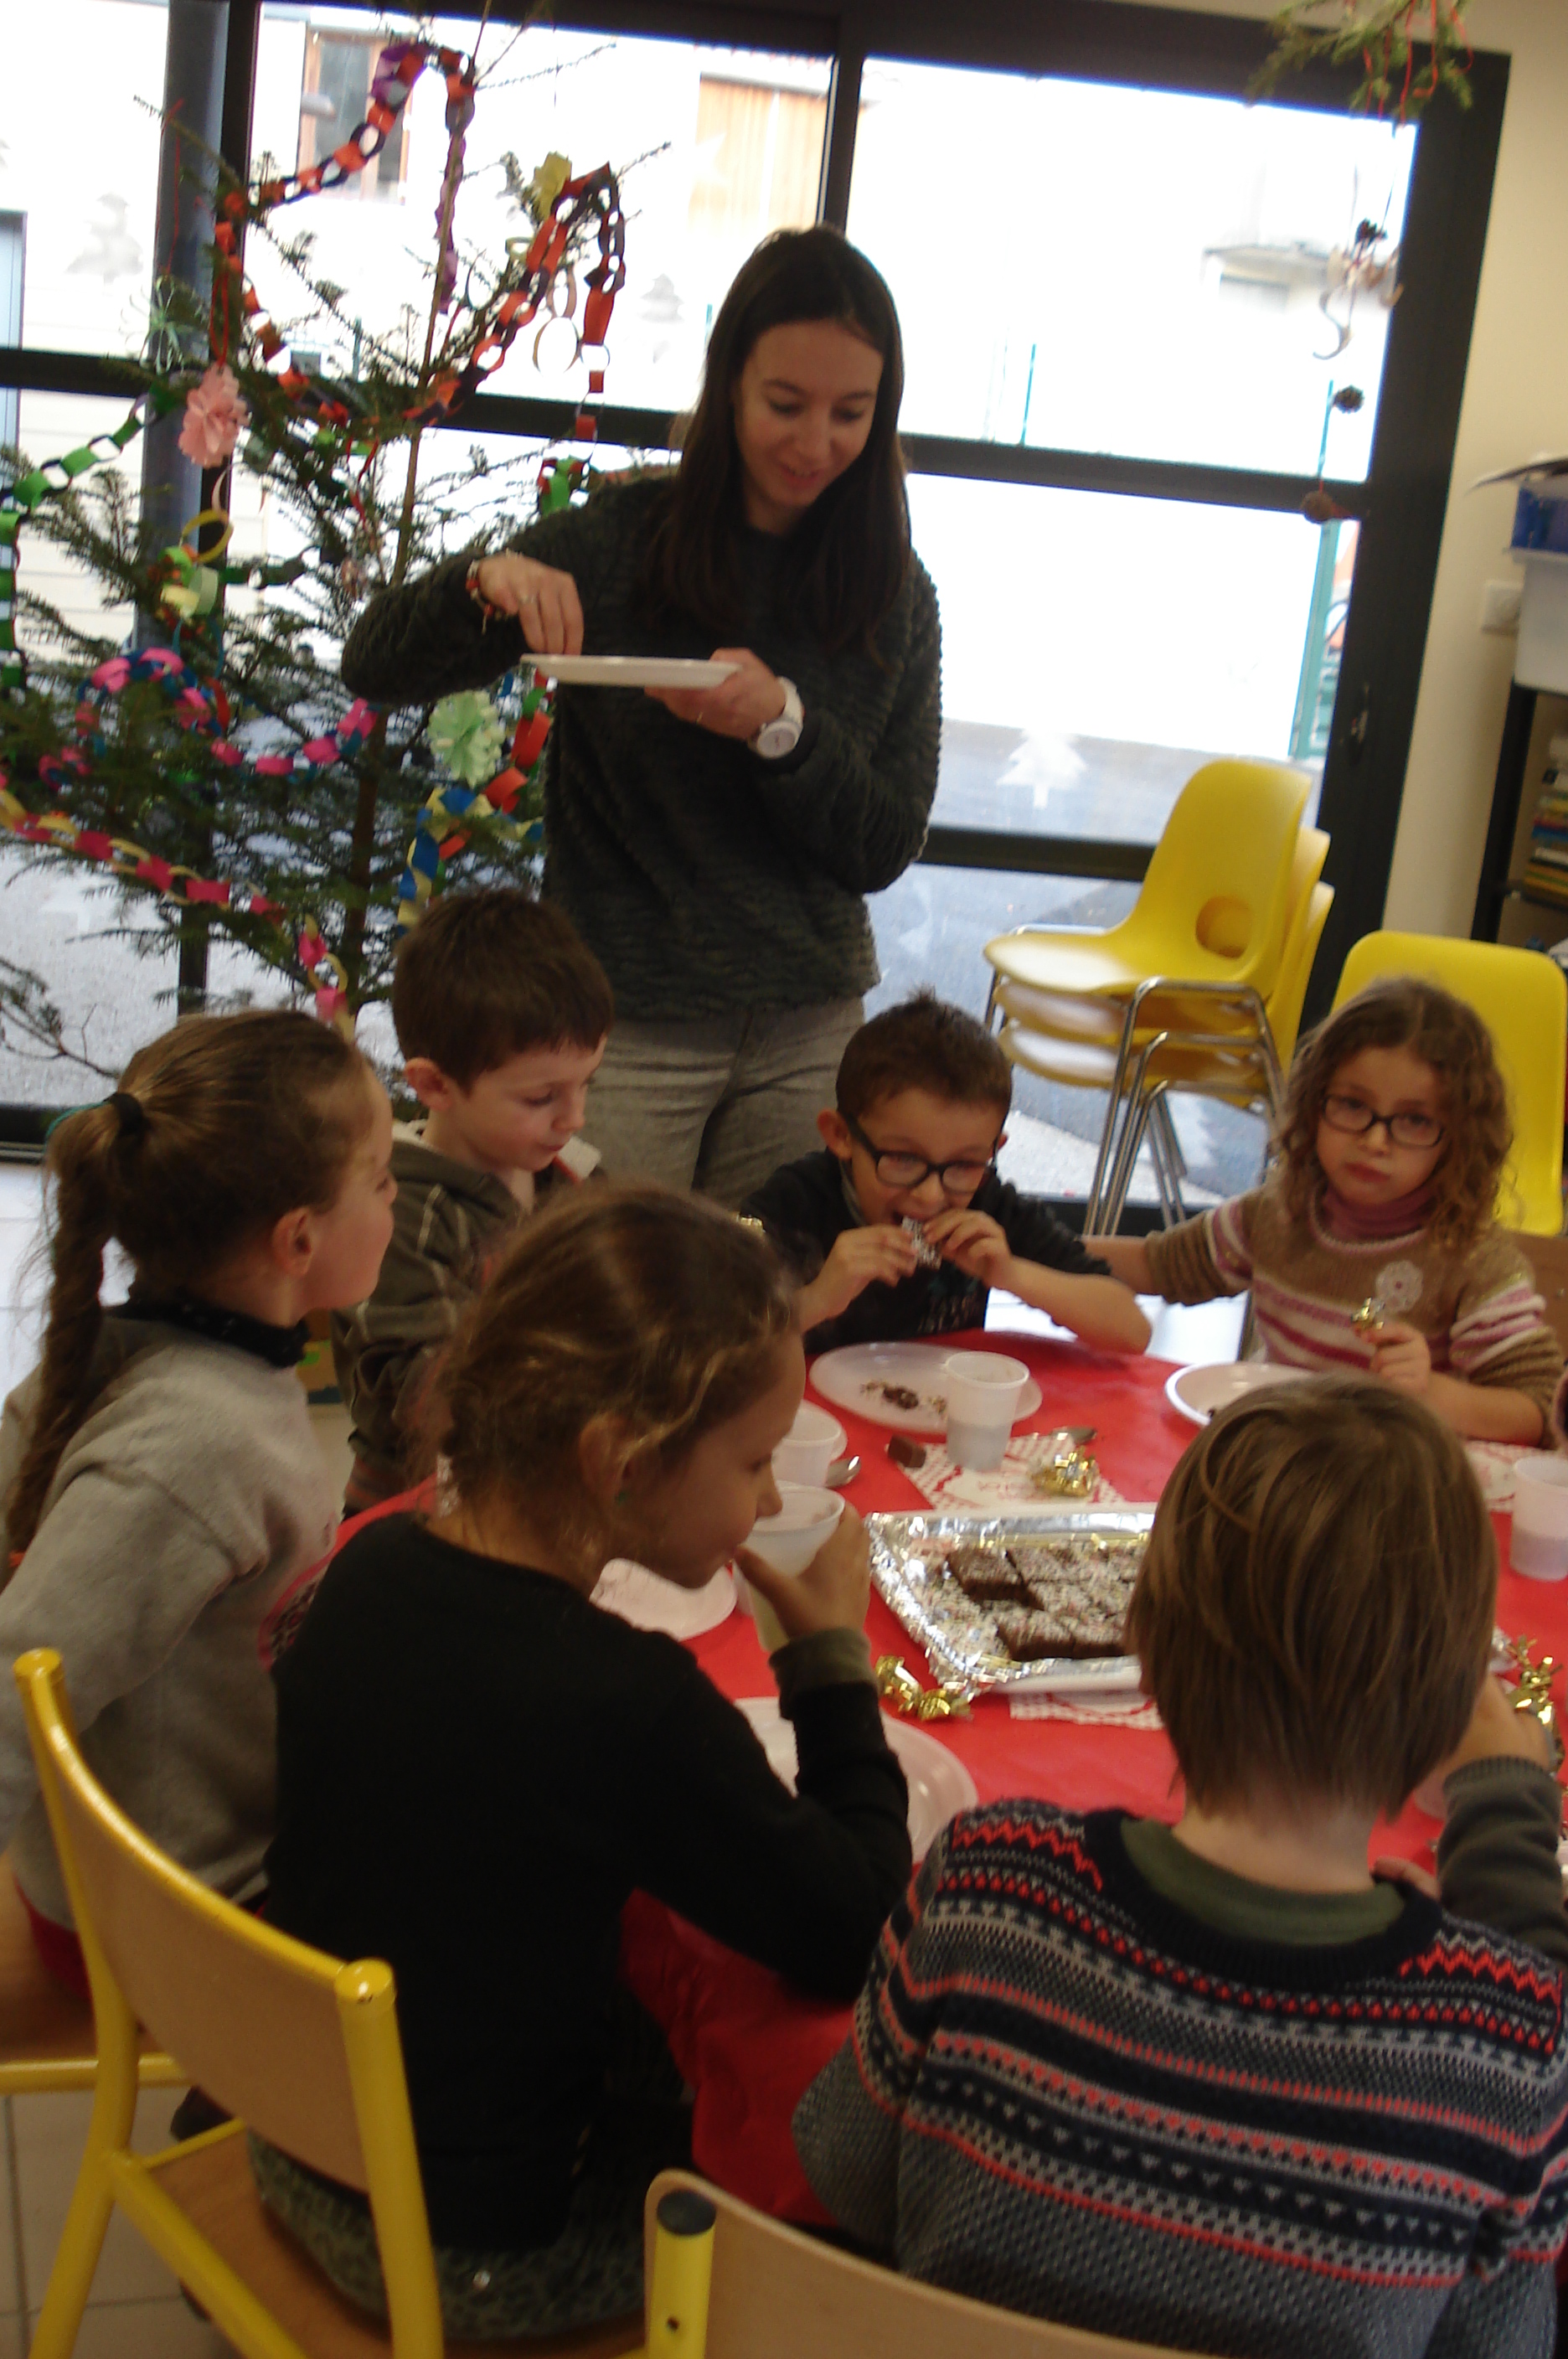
point(1372, 1243)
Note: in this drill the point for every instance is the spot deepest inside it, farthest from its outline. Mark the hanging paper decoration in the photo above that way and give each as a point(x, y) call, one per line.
point(190, 580)
point(465, 733)
point(216, 415)
point(434, 844)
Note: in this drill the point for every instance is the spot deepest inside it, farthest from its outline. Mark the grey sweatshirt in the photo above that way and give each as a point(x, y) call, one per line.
point(185, 1502)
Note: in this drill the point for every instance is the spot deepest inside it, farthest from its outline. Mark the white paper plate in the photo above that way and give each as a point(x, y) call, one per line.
point(841, 1377)
point(1197, 1392)
point(939, 1786)
point(633, 671)
point(641, 1598)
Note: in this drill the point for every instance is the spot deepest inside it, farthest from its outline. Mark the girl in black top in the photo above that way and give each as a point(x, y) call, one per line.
point(476, 1766)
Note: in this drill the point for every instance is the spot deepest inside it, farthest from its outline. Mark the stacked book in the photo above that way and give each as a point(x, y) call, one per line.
point(1546, 871)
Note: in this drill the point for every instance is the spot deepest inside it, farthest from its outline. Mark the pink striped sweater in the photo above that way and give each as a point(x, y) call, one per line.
point(1481, 1315)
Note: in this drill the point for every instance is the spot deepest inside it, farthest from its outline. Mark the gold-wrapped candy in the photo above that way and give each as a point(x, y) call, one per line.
point(1369, 1319)
point(1072, 1474)
point(897, 1686)
point(1533, 1693)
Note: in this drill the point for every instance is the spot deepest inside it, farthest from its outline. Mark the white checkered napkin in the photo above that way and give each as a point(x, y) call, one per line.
point(1493, 1462)
point(952, 1488)
point(1090, 1708)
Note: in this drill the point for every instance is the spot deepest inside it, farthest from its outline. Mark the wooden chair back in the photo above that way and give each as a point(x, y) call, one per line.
point(297, 2045)
point(767, 2291)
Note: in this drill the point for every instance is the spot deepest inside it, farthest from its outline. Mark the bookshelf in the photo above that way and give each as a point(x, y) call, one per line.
point(1504, 907)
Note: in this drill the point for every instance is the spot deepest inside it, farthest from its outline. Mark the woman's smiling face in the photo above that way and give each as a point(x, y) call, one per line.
point(803, 406)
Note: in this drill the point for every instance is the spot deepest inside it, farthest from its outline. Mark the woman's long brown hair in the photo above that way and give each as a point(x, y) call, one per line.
point(844, 564)
point(216, 1131)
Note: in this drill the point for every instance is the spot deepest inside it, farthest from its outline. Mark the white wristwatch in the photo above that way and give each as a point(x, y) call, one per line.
point(780, 736)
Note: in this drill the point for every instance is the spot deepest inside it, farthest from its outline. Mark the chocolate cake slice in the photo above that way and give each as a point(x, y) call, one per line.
point(989, 1575)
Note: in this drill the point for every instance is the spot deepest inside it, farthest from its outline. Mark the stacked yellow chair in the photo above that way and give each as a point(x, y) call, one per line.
point(1522, 999)
point(306, 2049)
point(1207, 961)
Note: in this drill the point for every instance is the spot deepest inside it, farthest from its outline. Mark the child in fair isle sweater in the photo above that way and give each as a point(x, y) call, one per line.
point(1372, 1243)
point(1213, 2086)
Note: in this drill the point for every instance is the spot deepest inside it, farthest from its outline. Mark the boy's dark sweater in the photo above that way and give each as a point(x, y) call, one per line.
point(477, 1767)
point(805, 1208)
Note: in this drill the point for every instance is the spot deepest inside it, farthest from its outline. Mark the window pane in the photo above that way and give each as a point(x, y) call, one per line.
point(78, 172)
point(932, 926)
point(715, 146)
point(50, 425)
point(1096, 650)
point(1146, 273)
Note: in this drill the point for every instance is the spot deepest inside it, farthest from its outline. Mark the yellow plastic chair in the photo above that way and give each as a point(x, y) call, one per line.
point(299, 2046)
point(1210, 923)
point(1229, 1042)
point(727, 2282)
point(1250, 1077)
point(1522, 999)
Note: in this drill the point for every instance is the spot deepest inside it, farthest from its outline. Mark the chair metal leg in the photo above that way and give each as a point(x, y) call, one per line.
point(1164, 1177)
point(1169, 1164)
point(1133, 1125)
point(1167, 1121)
point(1248, 1332)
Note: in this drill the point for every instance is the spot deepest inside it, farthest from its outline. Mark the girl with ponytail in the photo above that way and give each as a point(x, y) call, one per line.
point(159, 1482)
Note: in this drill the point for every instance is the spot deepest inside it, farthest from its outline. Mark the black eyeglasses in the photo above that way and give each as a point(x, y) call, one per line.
point(897, 1170)
point(1356, 1118)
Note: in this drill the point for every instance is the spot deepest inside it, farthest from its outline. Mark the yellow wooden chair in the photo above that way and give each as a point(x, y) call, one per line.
point(46, 2040)
point(1522, 999)
point(1204, 943)
point(295, 2044)
point(727, 2282)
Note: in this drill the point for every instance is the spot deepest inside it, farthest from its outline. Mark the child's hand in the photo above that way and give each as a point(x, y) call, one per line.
point(975, 1241)
point(1401, 1358)
point(858, 1257)
point(830, 1594)
point(1497, 1730)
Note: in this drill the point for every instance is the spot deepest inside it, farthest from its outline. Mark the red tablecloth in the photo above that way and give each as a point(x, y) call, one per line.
point(748, 2043)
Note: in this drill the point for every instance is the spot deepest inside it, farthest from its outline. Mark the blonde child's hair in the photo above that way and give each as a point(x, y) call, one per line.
point(635, 1303)
point(216, 1131)
point(1404, 1012)
point(1315, 1610)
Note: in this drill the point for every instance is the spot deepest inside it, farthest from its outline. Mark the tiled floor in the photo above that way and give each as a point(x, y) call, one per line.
point(136, 2310)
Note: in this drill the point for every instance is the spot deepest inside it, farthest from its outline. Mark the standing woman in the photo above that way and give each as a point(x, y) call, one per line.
point(714, 848)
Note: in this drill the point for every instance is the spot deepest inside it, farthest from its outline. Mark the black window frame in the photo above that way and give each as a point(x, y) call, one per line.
point(1401, 507)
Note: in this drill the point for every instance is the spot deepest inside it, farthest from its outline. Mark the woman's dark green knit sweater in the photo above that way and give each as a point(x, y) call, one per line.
point(706, 879)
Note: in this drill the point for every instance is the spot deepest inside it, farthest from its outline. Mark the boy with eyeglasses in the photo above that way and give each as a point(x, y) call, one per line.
point(1373, 1244)
point(901, 1227)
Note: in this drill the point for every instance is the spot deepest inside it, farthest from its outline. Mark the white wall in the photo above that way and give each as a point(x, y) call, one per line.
point(1516, 401)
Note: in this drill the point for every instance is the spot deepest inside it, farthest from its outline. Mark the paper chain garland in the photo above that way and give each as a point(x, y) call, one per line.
point(194, 582)
point(204, 709)
point(592, 196)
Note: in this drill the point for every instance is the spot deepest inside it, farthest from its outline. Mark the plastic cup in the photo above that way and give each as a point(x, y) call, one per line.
point(983, 1393)
point(809, 1447)
point(1539, 1544)
point(788, 1541)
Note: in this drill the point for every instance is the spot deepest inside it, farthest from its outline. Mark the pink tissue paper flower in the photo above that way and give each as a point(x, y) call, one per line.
point(215, 416)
